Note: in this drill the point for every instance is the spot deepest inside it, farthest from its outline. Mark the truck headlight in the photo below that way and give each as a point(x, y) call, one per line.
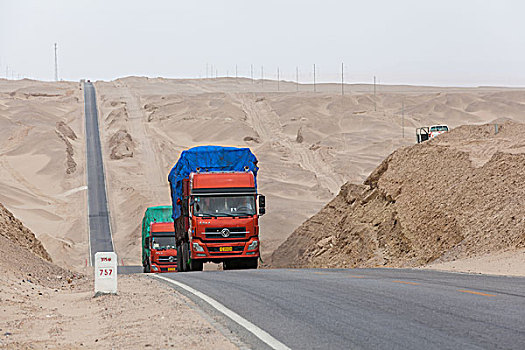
point(154, 268)
point(253, 245)
point(197, 247)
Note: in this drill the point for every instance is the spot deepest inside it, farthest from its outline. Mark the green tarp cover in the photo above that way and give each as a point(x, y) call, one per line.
point(160, 213)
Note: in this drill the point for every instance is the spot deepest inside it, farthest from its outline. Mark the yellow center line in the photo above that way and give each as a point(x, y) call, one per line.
point(354, 276)
point(323, 273)
point(477, 293)
point(405, 282)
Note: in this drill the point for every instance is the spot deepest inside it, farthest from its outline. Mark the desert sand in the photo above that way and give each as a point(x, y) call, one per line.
point(44, 305)
point(454, 201)
point(308, 144)
point(42, 178)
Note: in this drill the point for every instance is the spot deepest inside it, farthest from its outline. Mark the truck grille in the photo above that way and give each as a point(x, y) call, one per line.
point(216, 232)
point(166, 259)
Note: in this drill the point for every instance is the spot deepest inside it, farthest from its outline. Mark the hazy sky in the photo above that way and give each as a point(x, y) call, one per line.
point(413, 42)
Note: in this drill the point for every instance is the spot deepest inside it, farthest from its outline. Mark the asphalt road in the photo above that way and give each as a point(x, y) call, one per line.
point(370, 308)
point(99, 228)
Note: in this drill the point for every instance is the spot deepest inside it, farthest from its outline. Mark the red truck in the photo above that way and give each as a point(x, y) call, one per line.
point(159, 251)
point(214, 194)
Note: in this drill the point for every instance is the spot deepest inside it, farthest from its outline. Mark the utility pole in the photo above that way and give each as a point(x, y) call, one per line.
point(251, 67)
point(342, 78)
point(216, 73)
point(314, 79)
point(56, 63)
point(297, 78)
point(206, 70)
point(7, 72)
point(403, 116)
point(375, 104)
point(235, 72)
point(262, 75)
point(278, 86)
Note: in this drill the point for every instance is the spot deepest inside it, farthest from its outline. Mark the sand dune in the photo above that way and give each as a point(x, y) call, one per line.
point(41, 159)
point(308, 143)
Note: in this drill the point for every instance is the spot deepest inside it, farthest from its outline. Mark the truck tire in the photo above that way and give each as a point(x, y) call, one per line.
point(147, 267)
point(179, 259)
point(251, 263)
point(232, 264)
point(227, 265)
point(185, 257)
point(196, 265)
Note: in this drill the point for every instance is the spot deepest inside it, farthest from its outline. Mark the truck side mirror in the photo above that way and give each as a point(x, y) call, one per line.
point(262, 205)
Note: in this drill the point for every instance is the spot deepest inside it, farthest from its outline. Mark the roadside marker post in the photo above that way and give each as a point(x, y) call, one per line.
point(105, 273)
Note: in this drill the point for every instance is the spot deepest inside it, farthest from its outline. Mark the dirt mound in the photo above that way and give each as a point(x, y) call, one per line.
point(13, 229)
point(121, 145)
point(23, 256)
point(459, 195)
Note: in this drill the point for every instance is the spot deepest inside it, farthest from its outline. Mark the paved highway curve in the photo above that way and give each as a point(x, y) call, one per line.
point(338, 308)
point(371, 308)
point(99, 230)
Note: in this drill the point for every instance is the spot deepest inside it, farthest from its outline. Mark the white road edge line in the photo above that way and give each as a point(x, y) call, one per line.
point(250, 327)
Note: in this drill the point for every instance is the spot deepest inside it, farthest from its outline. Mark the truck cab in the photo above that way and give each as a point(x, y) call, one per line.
point(223, 221)
point(162, 247)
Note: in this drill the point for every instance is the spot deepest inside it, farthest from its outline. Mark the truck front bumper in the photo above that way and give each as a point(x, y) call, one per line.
point(157, 268)
point(225, 250)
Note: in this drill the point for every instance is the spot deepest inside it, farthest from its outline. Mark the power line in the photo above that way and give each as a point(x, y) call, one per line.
point(297, 78)
point(342, 79)
point(56, 63)
point(278, 86)
point(375, 103)
point(314, 79)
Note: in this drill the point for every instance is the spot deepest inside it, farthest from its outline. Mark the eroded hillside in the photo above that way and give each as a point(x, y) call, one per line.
point(459, 195)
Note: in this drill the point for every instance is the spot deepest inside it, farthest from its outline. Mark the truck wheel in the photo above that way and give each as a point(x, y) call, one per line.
point(196, 265)
point(185, 257)
point(251, 263)
point(231, 264)
point(147, 267)
point(179, 259)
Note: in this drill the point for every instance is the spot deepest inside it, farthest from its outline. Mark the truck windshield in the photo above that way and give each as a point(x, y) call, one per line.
point(240, 205)
point(163, 242)
point(439, 128)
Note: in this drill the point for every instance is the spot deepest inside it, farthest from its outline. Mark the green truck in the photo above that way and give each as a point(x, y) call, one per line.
point(159, 251)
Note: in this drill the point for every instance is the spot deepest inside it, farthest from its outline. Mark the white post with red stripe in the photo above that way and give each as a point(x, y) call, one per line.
point(105, 273)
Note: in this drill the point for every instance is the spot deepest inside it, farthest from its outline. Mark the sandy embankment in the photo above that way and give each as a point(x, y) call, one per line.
point(308, 144)
point(42, 161)
point(455, 202)
point(43, 305)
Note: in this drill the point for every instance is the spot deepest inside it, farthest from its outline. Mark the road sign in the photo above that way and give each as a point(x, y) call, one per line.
point(105, 273)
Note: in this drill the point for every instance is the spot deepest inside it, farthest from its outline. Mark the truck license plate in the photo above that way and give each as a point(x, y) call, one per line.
point(170, 269)
point(226, 249)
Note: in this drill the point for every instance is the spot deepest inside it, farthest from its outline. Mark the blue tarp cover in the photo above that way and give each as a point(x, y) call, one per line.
point(208, 159)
